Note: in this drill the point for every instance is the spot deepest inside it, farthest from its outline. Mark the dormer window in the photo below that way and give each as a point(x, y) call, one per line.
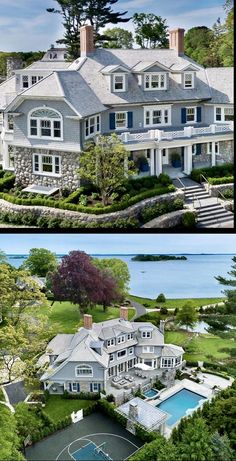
point(146, 334)
point(25, 81)
point(118, 82)
point(188, 80)
point(155, 81)
point(120, 339)
point(110, 342)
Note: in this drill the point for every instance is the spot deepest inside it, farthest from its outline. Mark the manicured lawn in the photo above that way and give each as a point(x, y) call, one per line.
point(204, 347)
point(57, 407)
point(66, 317)
point(2, 395)
point(173, 303)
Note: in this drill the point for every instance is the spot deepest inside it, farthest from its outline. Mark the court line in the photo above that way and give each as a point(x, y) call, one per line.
point(90, 435)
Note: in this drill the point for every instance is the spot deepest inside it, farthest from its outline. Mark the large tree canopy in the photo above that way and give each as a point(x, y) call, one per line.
point(230, 304)
point(40, 261)
point(196, 44)
point(76, 13)
point(187, 316)
point(150, 30)
point(118, 269)
point(118, 38)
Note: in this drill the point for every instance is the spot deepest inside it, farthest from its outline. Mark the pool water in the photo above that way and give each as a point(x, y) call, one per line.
point(178, 404)
point(152, 393)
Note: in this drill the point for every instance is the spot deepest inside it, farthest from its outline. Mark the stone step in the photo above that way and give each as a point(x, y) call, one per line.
point(214, 222)
point(197, 195)
point(211, 213)
point(214, 219)
point(209, 206)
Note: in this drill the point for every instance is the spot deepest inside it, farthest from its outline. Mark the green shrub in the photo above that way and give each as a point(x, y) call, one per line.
point(224, 180)
point(189, 220)
point(7, 181)
point(144, 435)
point(217, 171)
point(191, 363)
point(163, 311)
point(158, 385)
point(153, 211)
point(108, 409)
point(161, 298)
point(81, 396)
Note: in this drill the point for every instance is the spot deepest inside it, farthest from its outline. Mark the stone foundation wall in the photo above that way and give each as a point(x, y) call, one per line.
point(168, 220)
point(204, 157)
point(24, 169)
point(213, 190)
point(130, 212)
point(226, 152)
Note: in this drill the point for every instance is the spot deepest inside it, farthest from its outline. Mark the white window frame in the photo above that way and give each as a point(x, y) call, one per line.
point(148, 349)
point(110, 342)
point(170, 362)
point(83, 366)
point(131, 350)
point(125, 119)
point(111, 357)
point(146, 334)
point(37, 79)
point(178, 360)
point(46, 119)
point(222, 109)
point(194, 108)
point(129, 336)
point(121, 339)
point(25, 79)
point(10, 122)
point(119, 90)
point(123, 355)
point(149, 76)
point(88, 123)
point(94, 385)
point(72, 387)
point(10, 153)
point(151, 110)
point(192, 80)
point(40, 164)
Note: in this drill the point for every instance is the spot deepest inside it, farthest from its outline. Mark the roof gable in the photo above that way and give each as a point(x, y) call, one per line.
point(150, 66)
point(115, 69)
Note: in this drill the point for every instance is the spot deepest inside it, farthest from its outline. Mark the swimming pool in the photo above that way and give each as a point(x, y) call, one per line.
point(178, 405)
point(151, 394)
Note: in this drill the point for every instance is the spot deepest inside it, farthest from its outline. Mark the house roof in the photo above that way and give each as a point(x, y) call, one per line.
point(7, 92)
point(48, 65)
point(171, 350)
point(221, 84)
point(148, 415)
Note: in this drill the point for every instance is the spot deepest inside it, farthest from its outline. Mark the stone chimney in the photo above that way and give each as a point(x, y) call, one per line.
point(124, 313)
point(162, 326)
point(176, 39)
point(86, 40)
point(13, 64)
point(88, 321)
point(133, 410)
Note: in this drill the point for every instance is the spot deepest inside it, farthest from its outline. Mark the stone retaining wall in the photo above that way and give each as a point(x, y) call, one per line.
point(130, 212)
point(213, 190)
point(168, 220)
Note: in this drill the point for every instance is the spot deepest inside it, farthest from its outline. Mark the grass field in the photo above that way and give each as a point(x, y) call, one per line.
point(57, 407)
point(173, 303)
point(203, 347)
point(66, 317)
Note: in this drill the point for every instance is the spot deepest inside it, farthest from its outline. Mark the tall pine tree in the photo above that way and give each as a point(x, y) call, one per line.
point(230, 304)
point(76, 13)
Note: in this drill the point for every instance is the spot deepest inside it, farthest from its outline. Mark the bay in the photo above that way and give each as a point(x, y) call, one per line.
point(193, 278)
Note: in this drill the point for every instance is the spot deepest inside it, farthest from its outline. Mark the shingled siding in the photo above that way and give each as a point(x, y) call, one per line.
point(226, 152)
point(24, 169)
point(130, 212)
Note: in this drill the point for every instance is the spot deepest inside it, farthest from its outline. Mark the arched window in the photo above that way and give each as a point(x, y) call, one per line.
point(45, 123)
point(84, 370)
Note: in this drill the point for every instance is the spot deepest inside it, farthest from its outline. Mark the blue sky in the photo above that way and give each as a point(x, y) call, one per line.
point(25, 25)
point(120, 243)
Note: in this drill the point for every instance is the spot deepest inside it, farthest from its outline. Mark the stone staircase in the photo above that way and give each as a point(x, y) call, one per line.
point(210, 213)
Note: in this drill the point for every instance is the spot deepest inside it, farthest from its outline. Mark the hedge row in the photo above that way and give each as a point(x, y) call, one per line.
point(81, 396)
point(153, 211)
point(144, 435)
point(108, 409)
point(224, 180)
point(63, 204)
point(7, 181)
point(217, 171)
point(50, 427)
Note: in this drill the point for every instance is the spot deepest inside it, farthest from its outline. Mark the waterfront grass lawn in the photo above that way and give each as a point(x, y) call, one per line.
point(204, 347)
point(66, 316)
point(57, 407)
point(173, 303)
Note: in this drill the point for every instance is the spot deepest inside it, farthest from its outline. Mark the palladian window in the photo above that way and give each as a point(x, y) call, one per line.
point(84, 370)
point(45, 123)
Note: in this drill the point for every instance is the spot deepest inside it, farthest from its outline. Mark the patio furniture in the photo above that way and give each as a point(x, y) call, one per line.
point(116, 379)
point(128, 385)
point(131, 379)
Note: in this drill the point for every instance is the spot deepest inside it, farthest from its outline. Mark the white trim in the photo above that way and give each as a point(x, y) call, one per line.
point(40, 163)
point(114, 82)
point(126, 120)
point(222, 107)
point(38, 127)
point(152, 74)
point(97, 120)
point(192, 80)
point(122, 356)
point(83, 375)
point(195, 114)
point(162, 109)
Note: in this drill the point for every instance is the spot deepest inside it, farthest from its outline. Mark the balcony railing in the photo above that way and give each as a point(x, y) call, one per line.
point(187, 132)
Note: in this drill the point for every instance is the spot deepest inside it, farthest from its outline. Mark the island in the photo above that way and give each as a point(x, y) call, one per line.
point(158, 258)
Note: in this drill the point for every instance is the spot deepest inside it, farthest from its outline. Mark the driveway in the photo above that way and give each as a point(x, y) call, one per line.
point(16, 392)
point(140, 309)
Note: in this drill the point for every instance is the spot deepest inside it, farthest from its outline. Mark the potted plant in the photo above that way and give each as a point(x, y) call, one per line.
point(176, 160)
point(143, 163)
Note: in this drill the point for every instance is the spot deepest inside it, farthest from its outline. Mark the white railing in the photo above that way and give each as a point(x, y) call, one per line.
point(188, 131)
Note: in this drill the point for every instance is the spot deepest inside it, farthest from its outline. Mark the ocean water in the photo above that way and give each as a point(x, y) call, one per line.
point(193, 278)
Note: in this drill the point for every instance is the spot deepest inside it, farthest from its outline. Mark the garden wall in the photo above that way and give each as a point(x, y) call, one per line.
point(168, 220)
point(213, 190)
point(130, 212)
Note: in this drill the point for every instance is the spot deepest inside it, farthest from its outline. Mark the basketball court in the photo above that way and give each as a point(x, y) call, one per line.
point(95, 438)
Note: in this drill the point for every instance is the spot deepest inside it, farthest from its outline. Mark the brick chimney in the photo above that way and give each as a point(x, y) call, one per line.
point(13, 64)
point(162, 326)
point(88, 321)
point(86, 40)
point(124, 313)
point(176, 39)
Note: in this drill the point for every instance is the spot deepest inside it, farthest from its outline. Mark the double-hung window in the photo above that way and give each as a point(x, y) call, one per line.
point(167, 362)
point(25, 81)
point(146, 334)
point(190, 114)
point(157, 116)
point(10, 122)
point(11, 157)
point(92, 126)
point(35, 79)
point(110, 342)
point(47, 164)
point(118, 82)
point(120, 339)
point(155, 81)
point(224, 114)
point(121, 120)
point(148, 349)
point(111, 357)
point(45, 123)
point(188, 80)
point(131, 350)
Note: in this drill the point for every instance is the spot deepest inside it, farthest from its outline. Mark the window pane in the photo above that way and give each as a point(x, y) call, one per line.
point(120, 119)
point(33, 79)
point(218, 113)
point(47, 164)
point(156, 117)
point(229, 114)
point(45, 128)
point(155, 81)
point(25, 81)
point(57, 129)
point(36, 163)
point(33, 127)
point(119, 81)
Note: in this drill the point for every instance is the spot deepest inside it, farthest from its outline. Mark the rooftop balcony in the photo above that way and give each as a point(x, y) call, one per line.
point(166, 135)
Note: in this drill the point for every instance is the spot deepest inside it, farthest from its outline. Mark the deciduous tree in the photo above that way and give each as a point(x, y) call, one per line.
point(150, 30)
point(40, 261)
point(187, 316)
point(118, 38)
point(118, 269)
point(230, 303)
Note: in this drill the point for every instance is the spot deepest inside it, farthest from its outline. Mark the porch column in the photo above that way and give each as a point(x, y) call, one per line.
point(158, 161)
point(188, 159)
point(213, 153)
point(152, 162)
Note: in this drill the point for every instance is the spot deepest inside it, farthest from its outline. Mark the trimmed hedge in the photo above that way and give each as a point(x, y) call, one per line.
point(81, 396)
point(191, 363)
point(153, 211)
point(50, 427)
point(144, 435)
point(7, 181)
point(217, 171)
point(224, 180)
point(108, 409)
point(63, 204)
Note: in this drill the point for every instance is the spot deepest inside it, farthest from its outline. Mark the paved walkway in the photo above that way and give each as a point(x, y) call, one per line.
point(140, 309)
point(15, 392)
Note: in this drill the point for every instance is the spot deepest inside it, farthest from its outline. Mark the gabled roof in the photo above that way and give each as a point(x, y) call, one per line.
point(171, 350)
point(48, 65)
point(114, 68)
point(185, 66)
point(221, 84)
point(7, 92)
point(145, 65)
point(148, 415)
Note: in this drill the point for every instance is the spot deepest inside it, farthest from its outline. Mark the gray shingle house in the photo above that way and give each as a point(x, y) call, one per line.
point(113, 355)
point(159, 101)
